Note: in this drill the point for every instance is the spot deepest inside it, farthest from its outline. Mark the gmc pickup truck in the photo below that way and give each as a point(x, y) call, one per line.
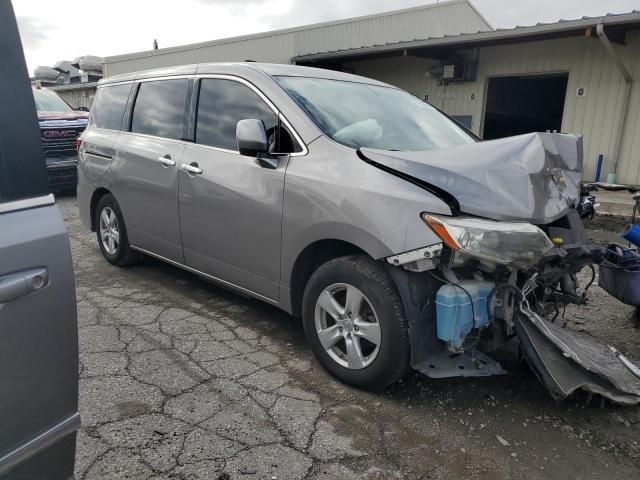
point(60, 126)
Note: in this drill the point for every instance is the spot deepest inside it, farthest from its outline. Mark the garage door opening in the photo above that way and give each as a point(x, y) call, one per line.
point(524, 104)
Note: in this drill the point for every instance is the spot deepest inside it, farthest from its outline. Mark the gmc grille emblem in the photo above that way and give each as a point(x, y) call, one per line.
point(59, 133)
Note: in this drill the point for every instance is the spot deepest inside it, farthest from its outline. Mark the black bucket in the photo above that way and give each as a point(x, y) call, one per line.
point(620, 274)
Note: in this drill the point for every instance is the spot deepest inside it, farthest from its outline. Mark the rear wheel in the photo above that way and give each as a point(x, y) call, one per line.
point(354, 320)
point(112, 233)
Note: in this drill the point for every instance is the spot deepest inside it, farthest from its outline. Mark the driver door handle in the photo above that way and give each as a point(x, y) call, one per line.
point(19, 284)
point(166, 161)
point(192, 169)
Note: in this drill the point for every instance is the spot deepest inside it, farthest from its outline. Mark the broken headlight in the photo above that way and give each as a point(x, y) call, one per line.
point(518, 243)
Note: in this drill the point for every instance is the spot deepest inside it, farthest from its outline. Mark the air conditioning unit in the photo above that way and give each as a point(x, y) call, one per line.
point(462, 66)
point(460, 72)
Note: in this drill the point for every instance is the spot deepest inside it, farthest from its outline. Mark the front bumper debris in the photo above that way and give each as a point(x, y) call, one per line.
point(566, 361)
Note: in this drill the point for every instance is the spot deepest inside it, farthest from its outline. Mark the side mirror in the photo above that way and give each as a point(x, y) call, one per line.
point(251, 137)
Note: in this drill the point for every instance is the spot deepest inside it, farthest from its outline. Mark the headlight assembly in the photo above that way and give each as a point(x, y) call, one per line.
point(518, 243)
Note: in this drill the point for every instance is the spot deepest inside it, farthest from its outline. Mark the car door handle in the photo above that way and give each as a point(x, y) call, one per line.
point(192, 169)
point(166, 161)
point(19, 284)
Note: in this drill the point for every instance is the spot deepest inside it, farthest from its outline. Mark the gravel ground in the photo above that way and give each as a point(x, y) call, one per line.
point(181, 379)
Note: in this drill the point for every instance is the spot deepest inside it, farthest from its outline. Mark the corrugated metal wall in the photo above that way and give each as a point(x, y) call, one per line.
point(449, 18)
point(595, 115)
point(630, 151)
point(431, 21)
point(271, 49)
point(78, 97)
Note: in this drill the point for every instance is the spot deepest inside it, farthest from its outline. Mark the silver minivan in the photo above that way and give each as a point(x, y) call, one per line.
point(398, 237)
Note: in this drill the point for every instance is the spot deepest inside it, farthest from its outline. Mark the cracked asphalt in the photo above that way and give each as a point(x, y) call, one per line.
point(181, 379)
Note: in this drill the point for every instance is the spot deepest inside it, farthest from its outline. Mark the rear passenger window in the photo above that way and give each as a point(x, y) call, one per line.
point(108, 107)
point(159, 108)
point(222, 104)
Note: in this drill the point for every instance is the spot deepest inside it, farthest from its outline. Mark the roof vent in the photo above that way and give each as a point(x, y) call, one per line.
point(46, 73)
point(89, 63)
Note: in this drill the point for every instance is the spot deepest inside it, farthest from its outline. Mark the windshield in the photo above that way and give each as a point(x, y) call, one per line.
point(363, 115)
point(47, 101)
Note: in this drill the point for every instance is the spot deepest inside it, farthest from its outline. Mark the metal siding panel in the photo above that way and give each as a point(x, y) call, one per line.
point(578, 77)
point(428, 22)
point(629, 168)
point(78, 98)
point(588, 108)
point(631, 147)
point(274, 49)
point(605, 120)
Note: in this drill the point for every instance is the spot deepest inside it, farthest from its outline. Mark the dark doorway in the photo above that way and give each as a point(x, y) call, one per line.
point(523, 104)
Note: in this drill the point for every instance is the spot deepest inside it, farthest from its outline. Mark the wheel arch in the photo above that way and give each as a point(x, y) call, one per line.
point(310, 259)
point(95, 198)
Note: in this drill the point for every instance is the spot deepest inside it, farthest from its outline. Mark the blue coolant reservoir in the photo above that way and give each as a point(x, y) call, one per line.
point(455, 317)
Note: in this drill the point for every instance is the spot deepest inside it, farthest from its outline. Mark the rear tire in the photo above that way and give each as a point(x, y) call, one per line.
point(112, 233)
point(355, 323)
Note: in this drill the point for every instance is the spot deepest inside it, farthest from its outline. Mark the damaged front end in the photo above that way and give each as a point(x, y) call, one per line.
point(507, 272)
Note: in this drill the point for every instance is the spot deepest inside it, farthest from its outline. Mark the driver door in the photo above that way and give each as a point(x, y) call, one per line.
point(231, 211)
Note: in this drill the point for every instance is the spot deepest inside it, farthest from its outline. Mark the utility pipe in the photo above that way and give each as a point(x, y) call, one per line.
point(615, 56)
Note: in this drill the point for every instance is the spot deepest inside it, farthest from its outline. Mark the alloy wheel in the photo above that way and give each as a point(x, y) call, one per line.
point(109, 232)
point(347, 326)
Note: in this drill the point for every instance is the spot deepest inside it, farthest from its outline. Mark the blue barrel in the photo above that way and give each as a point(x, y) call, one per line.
point(631, 233)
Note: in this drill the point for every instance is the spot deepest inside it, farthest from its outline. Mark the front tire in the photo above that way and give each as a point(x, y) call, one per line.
point(112, 233)
point(355, 323)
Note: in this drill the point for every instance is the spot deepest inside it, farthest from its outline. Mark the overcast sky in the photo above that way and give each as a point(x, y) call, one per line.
point(65, 29)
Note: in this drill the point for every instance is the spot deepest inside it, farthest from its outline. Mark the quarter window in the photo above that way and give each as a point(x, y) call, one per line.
point(222, 104)
point(108, 107)
point(159, 108)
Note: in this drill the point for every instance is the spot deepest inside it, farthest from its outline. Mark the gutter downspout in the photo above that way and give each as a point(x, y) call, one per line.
point(606, 43)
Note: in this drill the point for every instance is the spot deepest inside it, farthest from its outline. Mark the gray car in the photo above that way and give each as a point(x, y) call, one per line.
point(38, 331)
point(398, 237)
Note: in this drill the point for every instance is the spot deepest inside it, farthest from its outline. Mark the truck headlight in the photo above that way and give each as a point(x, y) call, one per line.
point(518, 243)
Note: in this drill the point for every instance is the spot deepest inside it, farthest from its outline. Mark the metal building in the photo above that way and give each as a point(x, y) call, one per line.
point(78, 95)
point(281, 46)
point(578, 76)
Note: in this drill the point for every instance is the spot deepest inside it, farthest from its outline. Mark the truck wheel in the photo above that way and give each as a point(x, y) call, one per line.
point(354, 321)
point(112, 233)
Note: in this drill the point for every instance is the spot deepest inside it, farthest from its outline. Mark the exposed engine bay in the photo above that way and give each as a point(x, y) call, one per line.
point(506, 270)
point(479, 307)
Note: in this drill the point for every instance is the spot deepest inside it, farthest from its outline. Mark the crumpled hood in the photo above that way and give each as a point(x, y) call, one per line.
point(533, 177)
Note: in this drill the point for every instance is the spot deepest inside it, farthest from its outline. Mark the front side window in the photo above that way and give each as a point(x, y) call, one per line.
point(364, 115)
point(48, 101)
point(108, 107)
point(221, 105)
point(159, 108)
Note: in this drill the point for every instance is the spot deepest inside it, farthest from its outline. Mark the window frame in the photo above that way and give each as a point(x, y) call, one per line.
point(23, 171)
point(279, 116)
point(191, 104)
point(198, 91)
point(133, 99)
point(91, 123)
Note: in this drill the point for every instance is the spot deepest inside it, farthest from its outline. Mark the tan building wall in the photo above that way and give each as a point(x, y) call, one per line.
point(596, 115)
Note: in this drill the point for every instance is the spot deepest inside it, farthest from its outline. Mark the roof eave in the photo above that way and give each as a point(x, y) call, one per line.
point(514, 35)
